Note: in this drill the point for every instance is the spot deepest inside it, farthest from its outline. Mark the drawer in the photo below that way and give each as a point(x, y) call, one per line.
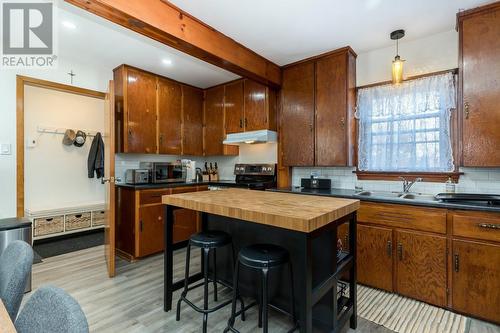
point(485, 226)
point(147, 197)
point(403, 216)
point(78, 221)
point(48, 225)
point(184, 189)
point(98, 217)
point(202, 188)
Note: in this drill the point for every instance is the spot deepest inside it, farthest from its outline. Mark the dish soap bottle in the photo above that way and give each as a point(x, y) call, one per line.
point(450, 186)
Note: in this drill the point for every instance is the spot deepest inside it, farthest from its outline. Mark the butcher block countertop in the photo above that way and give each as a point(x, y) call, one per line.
point(284, 210)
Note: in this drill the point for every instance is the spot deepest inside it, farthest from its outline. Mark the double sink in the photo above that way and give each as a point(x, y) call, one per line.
point(397, 195)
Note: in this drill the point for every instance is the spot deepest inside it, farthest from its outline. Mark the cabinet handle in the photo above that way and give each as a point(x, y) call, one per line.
point(346, 239)
point(489, 226)
point(311, 127)
point(400, 251)
point(241, 123)
point(342, 122)
point(456, 262)
point(246, 122)
point(389, 249)
point(159, 218)
point(161, 139)
point(129, 132)
point(466, 110)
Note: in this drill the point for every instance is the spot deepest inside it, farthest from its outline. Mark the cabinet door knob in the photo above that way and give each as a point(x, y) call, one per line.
point(342, 122)
point(456, 263)
point(466, 110)
point(389, 249)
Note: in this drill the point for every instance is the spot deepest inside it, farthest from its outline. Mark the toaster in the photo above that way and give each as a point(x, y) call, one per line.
point(137, 176)
point(316, 183)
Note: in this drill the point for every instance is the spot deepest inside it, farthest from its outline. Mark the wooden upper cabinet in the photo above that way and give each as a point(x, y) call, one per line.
point(335, 80)
point(233, 107)
point(169, 117)
point(421, 266)
point(214, 121)
point(152, 115)
point(297, 115)
point(256, 106)
point(192, 136)
point(476, 282)
point(479, 73)
point(249, 106)
point(214, 132)
point(139, 117)
point(317, 116)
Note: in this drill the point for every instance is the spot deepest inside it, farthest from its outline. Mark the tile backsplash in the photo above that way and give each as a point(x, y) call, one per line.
point(131, 161)
point(474, 180)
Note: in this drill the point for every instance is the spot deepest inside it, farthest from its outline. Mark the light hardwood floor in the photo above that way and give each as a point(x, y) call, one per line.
point(133, 300)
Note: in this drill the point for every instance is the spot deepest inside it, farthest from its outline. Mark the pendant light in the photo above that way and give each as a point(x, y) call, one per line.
point(397, 63)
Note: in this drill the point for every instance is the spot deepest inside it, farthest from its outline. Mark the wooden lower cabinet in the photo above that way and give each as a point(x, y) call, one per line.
point(449, 258)
point(421, 266)
point(476, 279)
point(140, 221)
point(151, 224)
point(374, 263)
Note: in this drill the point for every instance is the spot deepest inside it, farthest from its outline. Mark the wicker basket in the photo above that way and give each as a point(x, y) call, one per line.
point(48, 225)
point(78, 221)
point(98, 218)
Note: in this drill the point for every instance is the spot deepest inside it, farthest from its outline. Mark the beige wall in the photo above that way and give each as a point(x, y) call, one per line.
point(431, 54)
point(55, 174)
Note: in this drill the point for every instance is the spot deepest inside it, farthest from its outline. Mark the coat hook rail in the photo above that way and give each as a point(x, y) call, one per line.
point(62, 130)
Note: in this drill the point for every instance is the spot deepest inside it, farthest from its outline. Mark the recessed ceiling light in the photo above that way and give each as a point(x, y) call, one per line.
point(167, 62)
point(68, 25)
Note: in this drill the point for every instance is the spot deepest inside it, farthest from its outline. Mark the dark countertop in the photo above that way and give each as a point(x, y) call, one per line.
point(14, 223)
point(228, 183)
point(351, 194)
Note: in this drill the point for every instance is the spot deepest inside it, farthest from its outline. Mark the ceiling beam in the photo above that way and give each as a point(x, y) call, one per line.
point(164, 22)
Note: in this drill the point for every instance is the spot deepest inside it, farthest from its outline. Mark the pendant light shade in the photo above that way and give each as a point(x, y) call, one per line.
point(397, 63)
point(397, 70)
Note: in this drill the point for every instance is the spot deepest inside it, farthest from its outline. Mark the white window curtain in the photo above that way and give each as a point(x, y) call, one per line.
point(407, 127)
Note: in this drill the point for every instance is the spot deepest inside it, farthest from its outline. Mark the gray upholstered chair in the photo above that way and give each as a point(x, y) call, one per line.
point(15, 268)
point(51, 310)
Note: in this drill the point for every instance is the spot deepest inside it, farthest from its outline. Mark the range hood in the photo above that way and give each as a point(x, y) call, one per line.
point(261, 136)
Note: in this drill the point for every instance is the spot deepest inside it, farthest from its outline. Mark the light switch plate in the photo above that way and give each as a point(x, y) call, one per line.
point(5, 149)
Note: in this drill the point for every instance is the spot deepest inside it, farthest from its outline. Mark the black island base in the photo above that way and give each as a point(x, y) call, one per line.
point(324, 276)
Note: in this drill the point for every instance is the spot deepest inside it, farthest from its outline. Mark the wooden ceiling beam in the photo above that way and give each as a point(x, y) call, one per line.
point(164, 22)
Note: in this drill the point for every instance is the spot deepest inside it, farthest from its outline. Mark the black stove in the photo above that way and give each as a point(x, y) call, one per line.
point(255, 176)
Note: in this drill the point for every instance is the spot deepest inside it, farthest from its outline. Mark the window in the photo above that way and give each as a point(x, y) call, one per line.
point(406, 128)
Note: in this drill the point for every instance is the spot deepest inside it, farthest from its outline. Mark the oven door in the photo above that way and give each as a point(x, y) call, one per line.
point(168, 173)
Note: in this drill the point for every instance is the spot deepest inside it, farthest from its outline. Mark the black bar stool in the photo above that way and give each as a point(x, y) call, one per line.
point(261, 257)
point(208, 240)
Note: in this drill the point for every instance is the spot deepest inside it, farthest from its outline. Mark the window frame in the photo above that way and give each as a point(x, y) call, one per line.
point(426, 176)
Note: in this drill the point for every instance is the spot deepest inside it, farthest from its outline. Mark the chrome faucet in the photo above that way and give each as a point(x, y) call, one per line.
point(408, 184)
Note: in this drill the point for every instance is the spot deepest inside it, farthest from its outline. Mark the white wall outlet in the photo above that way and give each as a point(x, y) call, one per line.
point(5, 149)
point(31, 142)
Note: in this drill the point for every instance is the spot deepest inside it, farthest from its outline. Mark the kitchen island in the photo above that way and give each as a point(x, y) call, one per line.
point(305, 226)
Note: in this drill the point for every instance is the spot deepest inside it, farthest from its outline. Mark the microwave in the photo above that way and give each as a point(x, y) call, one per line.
point(166, 172)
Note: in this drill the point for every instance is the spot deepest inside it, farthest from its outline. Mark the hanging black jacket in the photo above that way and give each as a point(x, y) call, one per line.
point(95, 161)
